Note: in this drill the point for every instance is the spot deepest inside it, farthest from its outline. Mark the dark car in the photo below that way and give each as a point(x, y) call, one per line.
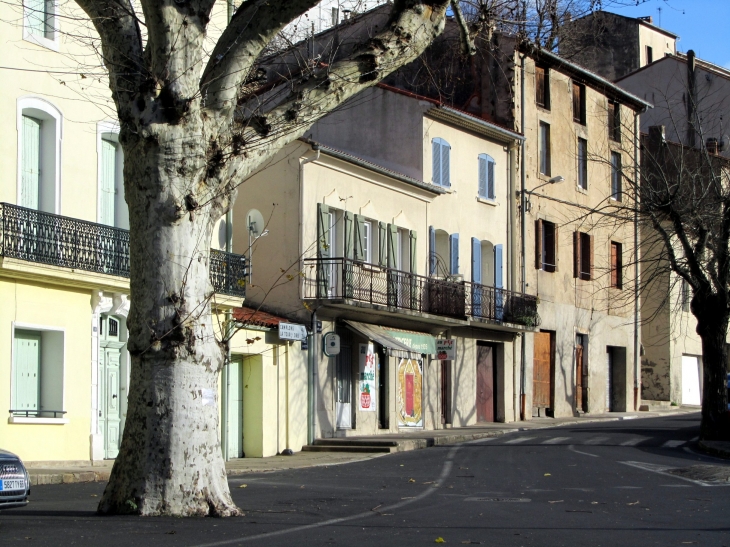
point(14, 481)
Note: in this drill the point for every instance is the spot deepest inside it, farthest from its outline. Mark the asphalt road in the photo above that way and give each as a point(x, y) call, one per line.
point(632, 482)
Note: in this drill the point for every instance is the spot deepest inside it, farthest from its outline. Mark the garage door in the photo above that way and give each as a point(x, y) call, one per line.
point(691, 394)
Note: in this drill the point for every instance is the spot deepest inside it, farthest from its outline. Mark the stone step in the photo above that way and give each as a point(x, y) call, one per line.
point(349, 448)
point(354, 442)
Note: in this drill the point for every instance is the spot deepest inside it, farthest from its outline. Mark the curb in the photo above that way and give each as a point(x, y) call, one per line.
point(711, 448)
point(38, 479)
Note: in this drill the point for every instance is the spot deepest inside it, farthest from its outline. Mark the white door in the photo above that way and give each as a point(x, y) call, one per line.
point(110, 409)
point(235, 408)
point(691, 394)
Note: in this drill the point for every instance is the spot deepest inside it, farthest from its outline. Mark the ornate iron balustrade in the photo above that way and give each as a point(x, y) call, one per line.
point(344, 279)
point(45, 238)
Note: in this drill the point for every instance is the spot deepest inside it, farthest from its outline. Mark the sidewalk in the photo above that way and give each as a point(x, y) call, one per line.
point(409, 440)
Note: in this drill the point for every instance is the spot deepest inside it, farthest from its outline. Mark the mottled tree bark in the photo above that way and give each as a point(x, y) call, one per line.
point(185, 155)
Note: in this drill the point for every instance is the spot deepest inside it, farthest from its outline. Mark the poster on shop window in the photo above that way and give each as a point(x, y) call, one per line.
point(366, 398)
point(410, 382)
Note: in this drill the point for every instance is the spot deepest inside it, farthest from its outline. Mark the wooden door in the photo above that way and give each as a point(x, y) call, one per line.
point(580, 401)
point(485, 383)
point(445, 392)
point(410, 385)
point(541, 370)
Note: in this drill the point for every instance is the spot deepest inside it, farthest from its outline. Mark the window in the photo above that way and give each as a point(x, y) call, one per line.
point(582, 256)
point(583, 163)
point(685, 295)
point(614, 121)
point(616, 266)
point(440, 152)
point(542, 87)
point(112, 208)
point(616, 189)
point(40, 23)
point(546, 245)
point(39, 150)
point(649, 55)
point(37, 374)
point(545, 148)
point(367, 238)
point(579, 103)
point(486, 177)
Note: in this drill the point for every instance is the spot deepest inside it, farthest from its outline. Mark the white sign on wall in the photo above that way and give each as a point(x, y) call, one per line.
point(446, 349)
point(366, 402)
point(292, 331)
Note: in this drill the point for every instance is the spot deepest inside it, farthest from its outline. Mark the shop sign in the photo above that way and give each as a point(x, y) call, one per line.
point(366, 399)
point(292, 331)
point(410, 393)
point(446, 349)
point(419, 343)
point(331, 344)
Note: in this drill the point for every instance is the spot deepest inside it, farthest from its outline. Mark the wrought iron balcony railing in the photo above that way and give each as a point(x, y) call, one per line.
point(45, 238)
point(344, 279)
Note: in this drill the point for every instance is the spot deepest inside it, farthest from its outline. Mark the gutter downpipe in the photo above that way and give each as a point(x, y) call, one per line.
point(311, 355)
point(513, 276)
point(523, 235)
point(637, 343)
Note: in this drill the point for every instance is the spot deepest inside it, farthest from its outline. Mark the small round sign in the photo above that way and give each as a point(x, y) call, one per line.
point(331, 344)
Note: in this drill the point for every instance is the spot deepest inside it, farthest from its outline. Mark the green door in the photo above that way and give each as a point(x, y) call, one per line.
point(110, 408)
point(235, 408)
point(26, 396)
point(30, 163)
point(108, 182)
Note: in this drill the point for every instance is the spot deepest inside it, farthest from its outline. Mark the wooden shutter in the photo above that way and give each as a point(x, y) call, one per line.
point(360, 237)
point(577, 117)
point(445, 164)
point(538, 244)
point(556, 239)
point(540, 86)
point(498, 267)
point(392, 237)
point(431, 250)
point(476, 261)
point(349, 235)
point(436, 162)
point(590, 256)
point(108, 182)
point(483, 191)
point(576, 254)
point(323, 235)
point(27, 371)
point(454, 252)
point(413, 237)
point(383, 244)
point(31, 162)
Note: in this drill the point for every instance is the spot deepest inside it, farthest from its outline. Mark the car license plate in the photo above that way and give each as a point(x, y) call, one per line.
point(12, 484)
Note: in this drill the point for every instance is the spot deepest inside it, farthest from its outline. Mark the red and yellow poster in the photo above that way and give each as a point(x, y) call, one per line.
point(366, 396)
point(410, 382)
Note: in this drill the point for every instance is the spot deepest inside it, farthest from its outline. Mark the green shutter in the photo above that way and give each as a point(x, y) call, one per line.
point(360, 237)
point(27, 373)
point(413, 258)
point(392, 246)
point(324, 238)
point(30, 163)
point(383, 249)
point(349, 245)
point(108, 181)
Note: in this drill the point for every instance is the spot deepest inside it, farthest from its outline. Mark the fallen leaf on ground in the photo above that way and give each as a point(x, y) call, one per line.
point(429, 482)
point(411, 480)
point(547, 474)
point(439, 540)
point(634, 503)
point(243, 486)
point(556, 501)
point(171, 532)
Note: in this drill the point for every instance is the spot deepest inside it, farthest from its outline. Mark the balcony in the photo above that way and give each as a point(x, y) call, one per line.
point(35, 236)
point(347, 280)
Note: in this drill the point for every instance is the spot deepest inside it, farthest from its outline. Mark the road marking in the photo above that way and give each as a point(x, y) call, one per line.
point(572, 449)
point(633, 442)
point(662, 470)
point(555, 440)
point(673, 444)
point(519, 440)
point(596, 440)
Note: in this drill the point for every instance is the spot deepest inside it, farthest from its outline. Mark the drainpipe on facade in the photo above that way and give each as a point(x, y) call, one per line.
point(637, 342)
point(523, 235)
point(513, 277)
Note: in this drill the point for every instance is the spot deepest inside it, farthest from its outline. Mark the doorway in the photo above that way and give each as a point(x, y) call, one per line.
point(616, 379)
point(343, 385)
point(486, 381)
point(110, 360)
point(383, 366)
point(581, 373)
point(235, 407)
point(691, 394)
point(445, 390)
point(542, 369)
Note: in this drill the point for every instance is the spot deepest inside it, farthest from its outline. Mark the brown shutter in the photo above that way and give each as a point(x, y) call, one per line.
point(619, 266)
point(557, 246)
point(576, 254)
point(540, 86)
point(538, 244)
point(614, 265)
point(590, 246)
point(576, 103)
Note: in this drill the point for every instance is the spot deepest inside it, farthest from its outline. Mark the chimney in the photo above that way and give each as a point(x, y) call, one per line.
point(647, 19)
point(712, 146)
point(657, 135)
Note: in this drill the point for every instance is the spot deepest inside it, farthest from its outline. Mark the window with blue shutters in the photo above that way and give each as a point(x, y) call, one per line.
point(486, 177)
point(454, 252)
point(441, 162)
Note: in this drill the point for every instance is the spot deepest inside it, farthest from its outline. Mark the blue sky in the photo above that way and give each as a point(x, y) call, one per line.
point(702, 25)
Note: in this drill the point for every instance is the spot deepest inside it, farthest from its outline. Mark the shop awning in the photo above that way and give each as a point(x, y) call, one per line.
point(396, 340)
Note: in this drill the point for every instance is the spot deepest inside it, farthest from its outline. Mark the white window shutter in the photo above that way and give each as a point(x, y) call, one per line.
point(108, 182)
point(31, 161)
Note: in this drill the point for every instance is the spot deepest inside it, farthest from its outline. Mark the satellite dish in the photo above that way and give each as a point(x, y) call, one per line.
point(255, 222)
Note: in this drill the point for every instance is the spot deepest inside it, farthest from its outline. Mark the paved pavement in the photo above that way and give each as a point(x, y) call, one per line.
point(631, 483)
point(99, 471)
